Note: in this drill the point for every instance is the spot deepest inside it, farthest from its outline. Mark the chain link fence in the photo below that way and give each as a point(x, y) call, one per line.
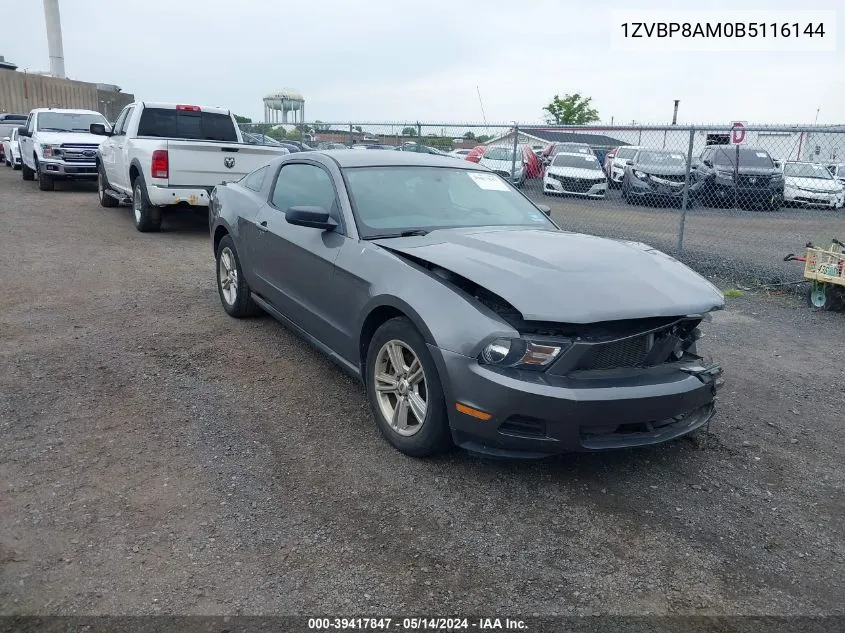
point(730, 202)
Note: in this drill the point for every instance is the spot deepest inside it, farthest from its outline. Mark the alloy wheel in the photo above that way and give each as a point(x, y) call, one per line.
point(228, 275)
point(401, 388)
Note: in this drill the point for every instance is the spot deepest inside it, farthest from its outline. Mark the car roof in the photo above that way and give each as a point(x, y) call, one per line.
point(354, 158)
point(67, 110)
point(578, 154)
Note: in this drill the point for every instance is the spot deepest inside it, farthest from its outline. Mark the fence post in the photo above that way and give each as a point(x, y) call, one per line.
point(419, 137)
point(350, 135)
point(685, 200)
point(515, 145)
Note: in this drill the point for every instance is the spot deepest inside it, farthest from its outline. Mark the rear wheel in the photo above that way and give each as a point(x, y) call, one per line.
point(404, 390)
point(231, 285)
point(145, 216)
point(822, 296)
point(102, 185)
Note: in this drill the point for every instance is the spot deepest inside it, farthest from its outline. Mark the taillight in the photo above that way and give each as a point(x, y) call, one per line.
point(189, 108)
point(160, 166)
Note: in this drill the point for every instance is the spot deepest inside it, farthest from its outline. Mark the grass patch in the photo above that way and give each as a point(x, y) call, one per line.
point(733, 293)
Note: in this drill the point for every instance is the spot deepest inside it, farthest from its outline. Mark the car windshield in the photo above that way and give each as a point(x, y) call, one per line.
point(661, 159)
point(625, 152)
point(806, 170)
point(499, 153)
point(68, 121)
point(579, 161)
point(571, 148)
point(391, 200)
point(747, 158)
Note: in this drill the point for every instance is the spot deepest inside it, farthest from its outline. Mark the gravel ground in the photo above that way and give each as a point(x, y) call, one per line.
point(161, 457)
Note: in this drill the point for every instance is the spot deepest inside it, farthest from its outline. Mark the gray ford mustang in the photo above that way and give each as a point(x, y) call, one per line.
point(471, 318)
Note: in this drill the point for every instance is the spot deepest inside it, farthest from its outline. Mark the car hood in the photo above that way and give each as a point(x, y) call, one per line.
point(661, 170)
point(576, 172)
point(820, 184)
point(57, 138)
point(501, 165)
point(557, 276)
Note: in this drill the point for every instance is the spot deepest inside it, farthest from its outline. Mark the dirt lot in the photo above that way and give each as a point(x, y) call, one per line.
point(161, 457)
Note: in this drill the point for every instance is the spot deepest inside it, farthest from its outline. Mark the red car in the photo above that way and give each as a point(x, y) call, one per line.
point(476, 153)
point(534, 166)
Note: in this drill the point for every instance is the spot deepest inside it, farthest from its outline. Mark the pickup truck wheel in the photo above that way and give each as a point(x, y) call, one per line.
point(231, 285)
point(145, 216)
point(102, 184)
point(26, 172)
point(45, 181)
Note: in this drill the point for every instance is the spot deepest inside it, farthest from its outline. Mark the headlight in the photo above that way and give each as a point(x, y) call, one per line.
point(520, 352)
point(641, 174)
point(48, 151)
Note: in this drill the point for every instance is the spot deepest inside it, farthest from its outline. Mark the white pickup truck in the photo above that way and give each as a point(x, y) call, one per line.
point(164, 155)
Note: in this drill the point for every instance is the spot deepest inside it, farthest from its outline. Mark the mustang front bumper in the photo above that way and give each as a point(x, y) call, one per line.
point(535, 414)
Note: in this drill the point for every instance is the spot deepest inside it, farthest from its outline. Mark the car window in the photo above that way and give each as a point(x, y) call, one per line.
point(300, 184)
point(390, 199)
point(187, 124)
point(125, 124)
point(118, 125)
point(255, 180)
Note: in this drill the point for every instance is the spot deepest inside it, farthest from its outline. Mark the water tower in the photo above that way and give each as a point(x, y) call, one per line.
point(278, 104)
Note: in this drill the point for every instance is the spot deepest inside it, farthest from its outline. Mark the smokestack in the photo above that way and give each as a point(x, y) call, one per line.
point(54, 38)
point(675, 113)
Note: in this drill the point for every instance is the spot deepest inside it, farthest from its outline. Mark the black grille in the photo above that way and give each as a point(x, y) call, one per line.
point(672, 178)
point(630, 352)
point(578, 185)
point(523, 426)
point(754, 181)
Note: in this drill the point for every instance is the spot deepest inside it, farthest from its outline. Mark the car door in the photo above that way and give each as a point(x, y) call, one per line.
point(26, 143)
point(117, 171)
point(294, 265)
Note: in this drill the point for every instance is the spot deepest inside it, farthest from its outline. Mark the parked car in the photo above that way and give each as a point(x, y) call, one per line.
point(656, 177)
point(616, 165)
point(503, 161)
point(328, 145)
point(262, 139)
point(735, 175)
point(837, 170)
point(10, 151)
point(460, 153)
point(568, 148)
point(476, 153)
point(56, 144)
point(811, 185)
point(164, 155)
point(10, 116)
point(470, 317)
point(575, 174)
point(422, 149)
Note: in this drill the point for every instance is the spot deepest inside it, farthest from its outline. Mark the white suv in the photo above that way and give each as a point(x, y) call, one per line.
point(57, 144)
point(616, 168)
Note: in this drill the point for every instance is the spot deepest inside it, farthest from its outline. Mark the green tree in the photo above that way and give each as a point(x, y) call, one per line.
point(571, 110)
point(470, 135)
point(358, 129)
point(319, 126)
point(409, 131)
point(242, 119)
point(482, 139)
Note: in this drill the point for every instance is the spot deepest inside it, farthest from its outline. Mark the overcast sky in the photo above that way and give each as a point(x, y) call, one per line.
point(395, 60)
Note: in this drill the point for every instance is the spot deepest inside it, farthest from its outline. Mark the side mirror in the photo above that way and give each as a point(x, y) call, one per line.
point(707, 162)
point(545, 209)
point(99, 129)
point(313, 217)
point(6, 138)
point(22, 131)
point(629, 162)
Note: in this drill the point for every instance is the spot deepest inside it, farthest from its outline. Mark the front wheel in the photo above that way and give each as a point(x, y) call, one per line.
point(26, 172)
point(45, 181)
point(404, 390)
point(102, 185)
point(824, 296)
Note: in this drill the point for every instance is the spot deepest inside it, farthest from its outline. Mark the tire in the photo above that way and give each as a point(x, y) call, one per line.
point(415, 438)
point(45, 181)
point(102, 184)
point(145, 216)
point(235, 297)
point(822, 296)
point(26, 172)
point(15, 166)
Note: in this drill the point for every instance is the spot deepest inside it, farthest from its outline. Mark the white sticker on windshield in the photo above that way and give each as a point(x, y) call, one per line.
point(761, 155)
point(589, 159)
point(677, 157)
point(490, 182)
